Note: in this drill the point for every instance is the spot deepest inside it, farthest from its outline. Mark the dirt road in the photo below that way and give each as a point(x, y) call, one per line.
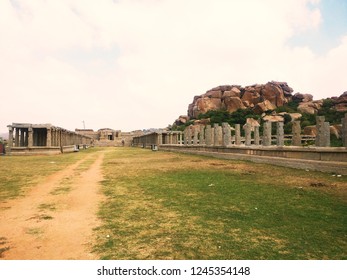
point(55, 220)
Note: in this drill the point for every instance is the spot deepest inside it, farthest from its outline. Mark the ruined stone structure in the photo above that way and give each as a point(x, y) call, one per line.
point(162, 138)
point(26, 138)
point(107, 137)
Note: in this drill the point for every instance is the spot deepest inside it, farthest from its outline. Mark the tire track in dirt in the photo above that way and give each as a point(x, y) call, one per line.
point(54, 220)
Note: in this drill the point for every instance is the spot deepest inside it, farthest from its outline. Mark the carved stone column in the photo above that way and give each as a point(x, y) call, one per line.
point(30, 137)
point(256, 136)
point(296, 131)
point(237, 134)
point(208, 135)
point(10, 136)
point(49, 137)
point(280, 134)
point(267, 134)
point(248, 134)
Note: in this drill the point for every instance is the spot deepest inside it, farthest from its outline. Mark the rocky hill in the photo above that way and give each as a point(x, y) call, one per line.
point(261, 99)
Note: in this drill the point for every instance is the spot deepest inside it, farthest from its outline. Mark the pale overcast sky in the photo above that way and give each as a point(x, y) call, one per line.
point(134, 64)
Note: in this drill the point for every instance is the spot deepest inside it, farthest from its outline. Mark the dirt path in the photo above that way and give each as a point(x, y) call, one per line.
point(55, 220)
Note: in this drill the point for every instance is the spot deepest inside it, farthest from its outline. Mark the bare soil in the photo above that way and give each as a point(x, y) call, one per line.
point(55, 219)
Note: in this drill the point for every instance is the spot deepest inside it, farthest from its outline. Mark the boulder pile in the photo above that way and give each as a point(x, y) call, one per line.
point(259, 97)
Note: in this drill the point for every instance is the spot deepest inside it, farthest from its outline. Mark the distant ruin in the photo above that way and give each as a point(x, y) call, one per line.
point(107, 137)
point(27, 138)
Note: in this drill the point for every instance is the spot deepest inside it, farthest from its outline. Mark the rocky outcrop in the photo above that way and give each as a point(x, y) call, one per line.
point(182, 120)
point(310, 107)
point(340, 103)
point(263, 107)
point(261, 97)
point(232, 104)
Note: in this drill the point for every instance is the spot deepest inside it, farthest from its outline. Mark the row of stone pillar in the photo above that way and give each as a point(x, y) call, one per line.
point(172, 138)
point(21, 136)
point(221, 135)
point(49, 137)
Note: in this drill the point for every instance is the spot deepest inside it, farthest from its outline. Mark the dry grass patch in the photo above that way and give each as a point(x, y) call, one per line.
point(19, 173)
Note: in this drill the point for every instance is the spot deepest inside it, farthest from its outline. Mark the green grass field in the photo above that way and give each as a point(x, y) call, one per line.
point(172, 206)
point(161, 205)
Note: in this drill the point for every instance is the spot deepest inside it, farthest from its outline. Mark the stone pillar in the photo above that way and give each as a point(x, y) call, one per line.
point(344, 131)
point(160, 139)
point(196, 137)
point(10, 136)
point(296, 131)
point(237, 134)
point(30, 137)
point(189, 136)
point(323, 132)
point(256, 136)
point(248, 134)
point(173, 138)
point(201, 135)
point(280, 134)
point(16, 137)
point(21, 141)
point(217, 139)
point(170, 138)
point(208, 135)
point(59, 137)
point(267, 134)
point(53, 137)
point(212, 135)
point(226, 134)
point(180, 138)
point(185, 134)
point(26, 138)
point(220, 135)
point(326, 134)
point(56, 141)
point(319, 124)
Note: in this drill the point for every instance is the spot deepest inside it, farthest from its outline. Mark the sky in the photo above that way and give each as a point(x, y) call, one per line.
point(136, 64)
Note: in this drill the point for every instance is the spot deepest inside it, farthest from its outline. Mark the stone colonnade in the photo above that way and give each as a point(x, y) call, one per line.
point(221, 135)
point(43, 135)
point(159, 138)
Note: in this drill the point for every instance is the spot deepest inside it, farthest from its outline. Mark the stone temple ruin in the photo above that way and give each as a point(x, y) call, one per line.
point(26, 138)
point(107, 137)
point(44, 138)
